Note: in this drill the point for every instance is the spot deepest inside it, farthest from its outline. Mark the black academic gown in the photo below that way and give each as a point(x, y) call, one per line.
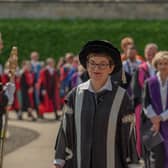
point(94, 127)
point(3, 105)
point(27, 82)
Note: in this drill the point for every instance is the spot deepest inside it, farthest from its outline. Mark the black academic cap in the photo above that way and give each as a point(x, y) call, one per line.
point(101, 46)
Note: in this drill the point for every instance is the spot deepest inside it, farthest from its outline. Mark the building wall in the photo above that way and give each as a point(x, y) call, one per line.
point(138, 9)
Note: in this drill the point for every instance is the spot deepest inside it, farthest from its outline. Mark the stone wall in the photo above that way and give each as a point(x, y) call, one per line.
point(106, 9)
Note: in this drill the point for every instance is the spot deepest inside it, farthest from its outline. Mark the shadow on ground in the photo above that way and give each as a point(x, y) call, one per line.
point(18, 138)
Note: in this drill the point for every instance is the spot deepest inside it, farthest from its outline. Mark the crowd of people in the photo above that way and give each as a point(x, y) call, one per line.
point(42, 86)
point(115, 105)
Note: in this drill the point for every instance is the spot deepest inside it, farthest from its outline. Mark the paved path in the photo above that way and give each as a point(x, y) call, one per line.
point(38, 153)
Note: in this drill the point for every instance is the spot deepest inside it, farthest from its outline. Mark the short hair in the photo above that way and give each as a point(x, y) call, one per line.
point(69, 55)
point(103, 55)
point(25, 62)
point(159, 56)
point(149, 45)
point(126, 41)
point(132, 47)
point(48, 60)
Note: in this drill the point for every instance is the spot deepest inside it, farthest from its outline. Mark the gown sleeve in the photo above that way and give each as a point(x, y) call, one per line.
point(125, 135)
point(147, 107)
point(65, 141)
point(136, 88)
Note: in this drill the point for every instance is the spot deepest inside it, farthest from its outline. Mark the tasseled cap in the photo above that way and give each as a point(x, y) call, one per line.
point(100, 46)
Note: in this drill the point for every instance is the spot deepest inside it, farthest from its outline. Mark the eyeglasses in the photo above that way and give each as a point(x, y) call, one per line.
point(101, 66)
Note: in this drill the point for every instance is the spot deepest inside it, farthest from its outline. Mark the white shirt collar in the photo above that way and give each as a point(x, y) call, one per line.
point(149, 65)
point(50, 69)
point(160, 81)
point(34, 63)
point(87, 86)
point(163, 91)
point(151, 69)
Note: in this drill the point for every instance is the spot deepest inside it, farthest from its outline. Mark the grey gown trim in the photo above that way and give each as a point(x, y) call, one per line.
point(112, 125)
point(78, 107)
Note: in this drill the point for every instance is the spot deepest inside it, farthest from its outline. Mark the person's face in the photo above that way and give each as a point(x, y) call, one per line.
point(69, 58)
point(99, 68)
point(51, 63)
point(162, 66)
point(27, 66)
point(125, 46)
point(150, 53)
point(131, 52)
point(35, 56)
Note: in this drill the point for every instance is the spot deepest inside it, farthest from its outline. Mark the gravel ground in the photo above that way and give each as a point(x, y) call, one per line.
point(19, 137)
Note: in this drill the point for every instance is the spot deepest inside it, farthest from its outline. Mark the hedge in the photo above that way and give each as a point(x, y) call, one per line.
point(53, 38)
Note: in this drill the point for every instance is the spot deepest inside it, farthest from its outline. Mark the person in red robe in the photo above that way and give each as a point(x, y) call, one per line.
point(26, 85)
point(48, 89)
point(16, 103)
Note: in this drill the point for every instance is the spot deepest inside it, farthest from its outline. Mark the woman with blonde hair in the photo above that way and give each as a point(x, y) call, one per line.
point(155, 106)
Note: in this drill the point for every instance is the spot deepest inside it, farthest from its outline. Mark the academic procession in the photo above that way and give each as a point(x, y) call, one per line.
point(107, 106)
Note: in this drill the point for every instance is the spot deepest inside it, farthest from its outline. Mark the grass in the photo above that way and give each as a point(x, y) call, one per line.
point(56, 37)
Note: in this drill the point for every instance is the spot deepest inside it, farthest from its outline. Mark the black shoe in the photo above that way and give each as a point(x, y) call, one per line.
point(57, 117)
point(34, 119)
point(30, 115)
point(40, 116)
point(19, 117)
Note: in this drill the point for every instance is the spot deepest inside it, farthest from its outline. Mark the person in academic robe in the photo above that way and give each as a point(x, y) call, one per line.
point(125, 42)
point(36, 66)
point(48, 85)
point(131, 64)
point(27, 91)
point(144, 71)
point(16, 102)
point(76, 78)
point(6, 99)
point(94, 131)
point(155, 109)
point(66, 72)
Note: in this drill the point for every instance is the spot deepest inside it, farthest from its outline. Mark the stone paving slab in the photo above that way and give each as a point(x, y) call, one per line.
point(18, 137)
point(38, 153)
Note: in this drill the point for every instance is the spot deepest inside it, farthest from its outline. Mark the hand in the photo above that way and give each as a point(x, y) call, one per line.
point(8, 108)
point(30, 90)
point(44, 92)
point(156, 127)
point(57, 166)
point(156, 120)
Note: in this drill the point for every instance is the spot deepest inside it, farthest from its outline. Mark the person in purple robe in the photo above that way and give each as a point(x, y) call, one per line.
point(144, 71)
point(155, 108)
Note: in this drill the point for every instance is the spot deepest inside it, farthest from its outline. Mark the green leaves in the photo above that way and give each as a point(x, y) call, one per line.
point(56, 37)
